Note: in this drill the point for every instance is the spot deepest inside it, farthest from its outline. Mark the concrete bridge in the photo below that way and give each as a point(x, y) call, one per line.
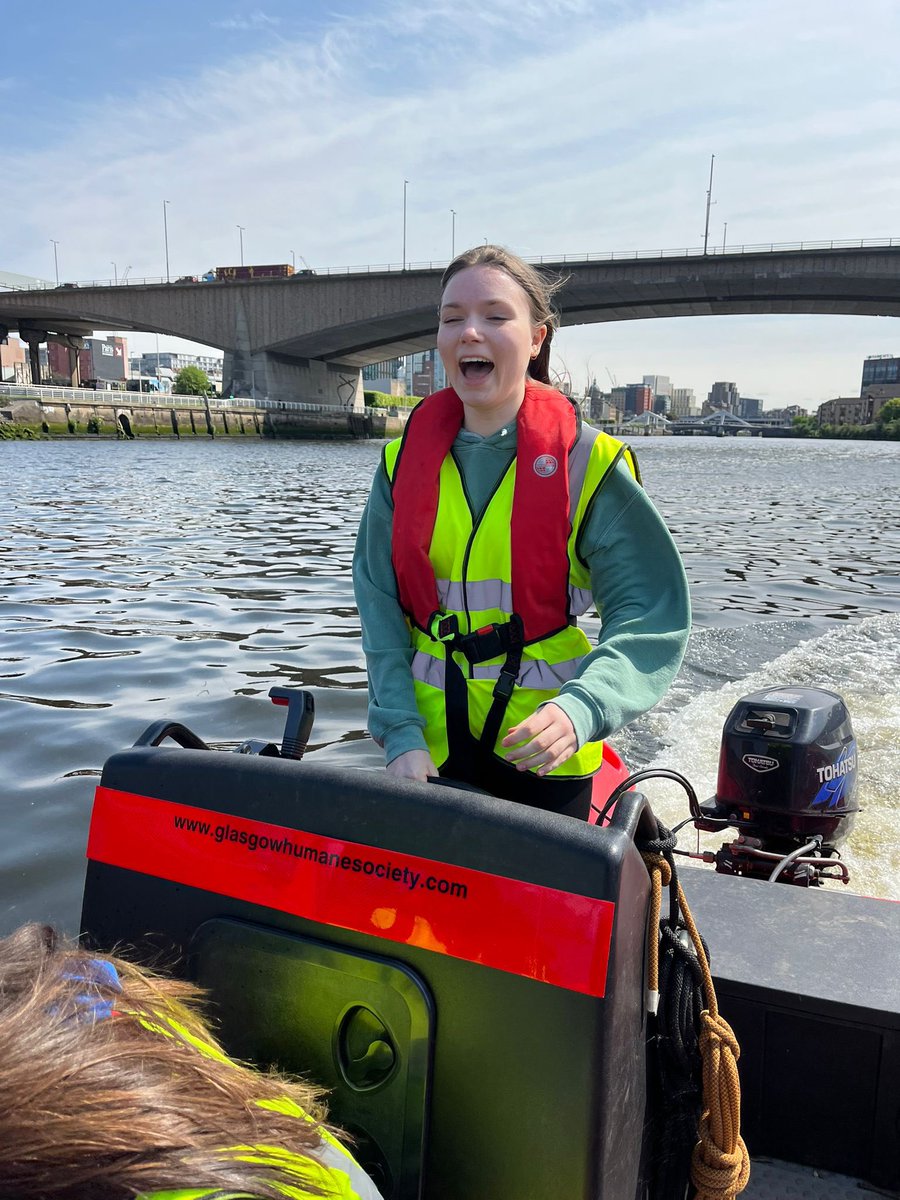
point(306, 337)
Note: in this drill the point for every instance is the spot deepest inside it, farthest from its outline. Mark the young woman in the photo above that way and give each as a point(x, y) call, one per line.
point(491, 525)
point(113, 1087)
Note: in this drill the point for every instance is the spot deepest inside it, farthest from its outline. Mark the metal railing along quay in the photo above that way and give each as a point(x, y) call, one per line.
point(30, 391)
point(539, 260)
point(17, 391)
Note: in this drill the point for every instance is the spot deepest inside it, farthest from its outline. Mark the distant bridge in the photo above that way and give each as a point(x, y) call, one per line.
point(722, 424)
point(306, 337)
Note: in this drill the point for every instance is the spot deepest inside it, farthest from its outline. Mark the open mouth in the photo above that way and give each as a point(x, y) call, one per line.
point(476, 368)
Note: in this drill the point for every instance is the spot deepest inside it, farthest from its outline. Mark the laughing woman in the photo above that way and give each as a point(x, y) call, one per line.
point(495, 521)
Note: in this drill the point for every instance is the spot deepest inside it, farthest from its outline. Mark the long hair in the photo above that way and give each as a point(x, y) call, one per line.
point(539, 288)
point(94, 1103)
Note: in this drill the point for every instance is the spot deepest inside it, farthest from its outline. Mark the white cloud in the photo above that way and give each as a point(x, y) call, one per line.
point(246, 22)
point(569, 131)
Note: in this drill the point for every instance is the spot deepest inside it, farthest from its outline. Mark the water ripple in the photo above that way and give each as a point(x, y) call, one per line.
point(145, 580)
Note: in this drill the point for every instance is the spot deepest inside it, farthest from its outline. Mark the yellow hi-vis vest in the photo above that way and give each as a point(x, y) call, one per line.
point(334, 1171)
point(473, 570)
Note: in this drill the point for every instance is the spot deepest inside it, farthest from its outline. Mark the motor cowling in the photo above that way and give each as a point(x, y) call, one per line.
point(787, 777)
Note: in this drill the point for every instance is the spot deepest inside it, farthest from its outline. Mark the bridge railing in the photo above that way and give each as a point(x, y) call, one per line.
point(538, 260)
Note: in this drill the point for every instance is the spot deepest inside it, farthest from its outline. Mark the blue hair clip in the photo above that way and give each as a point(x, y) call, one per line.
point(95, 973)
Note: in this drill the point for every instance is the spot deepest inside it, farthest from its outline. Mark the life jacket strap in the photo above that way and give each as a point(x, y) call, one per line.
point(509, 673)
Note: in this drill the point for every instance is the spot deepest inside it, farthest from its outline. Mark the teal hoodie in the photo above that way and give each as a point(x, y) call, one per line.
point(637, 580)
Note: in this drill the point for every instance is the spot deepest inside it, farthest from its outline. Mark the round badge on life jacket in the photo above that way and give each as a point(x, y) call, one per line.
point(545, 465)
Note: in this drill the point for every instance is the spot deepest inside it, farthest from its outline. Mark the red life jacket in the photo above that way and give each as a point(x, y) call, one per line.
point(547, 428)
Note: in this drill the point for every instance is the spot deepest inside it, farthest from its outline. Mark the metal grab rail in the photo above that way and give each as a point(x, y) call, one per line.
point(538, 260)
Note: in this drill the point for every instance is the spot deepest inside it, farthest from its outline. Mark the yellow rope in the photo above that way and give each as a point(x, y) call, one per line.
point(720, 1163)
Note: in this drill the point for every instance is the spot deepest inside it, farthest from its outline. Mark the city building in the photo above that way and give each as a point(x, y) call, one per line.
point(388, 377)
point(852, 410)
point(153, 363)
point(723, 397)
point(638, 398)
point(880, 377)
point(13, 362)
point(617, 398)
point(598, 407)
point(750, 408)
point(684, 404)
point(424, 373)
point(413, 375)
point(661, 386)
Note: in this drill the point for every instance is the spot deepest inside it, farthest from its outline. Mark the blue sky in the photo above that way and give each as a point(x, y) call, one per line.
point(566, 126)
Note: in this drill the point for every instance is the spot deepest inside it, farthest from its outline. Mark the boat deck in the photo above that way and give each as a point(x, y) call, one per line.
point(774, 1180)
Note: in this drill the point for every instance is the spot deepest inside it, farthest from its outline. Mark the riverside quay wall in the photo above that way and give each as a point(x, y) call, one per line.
point(118, 416)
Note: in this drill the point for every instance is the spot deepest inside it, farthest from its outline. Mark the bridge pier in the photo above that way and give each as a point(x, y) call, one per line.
point(33, 338)
point(262, 375)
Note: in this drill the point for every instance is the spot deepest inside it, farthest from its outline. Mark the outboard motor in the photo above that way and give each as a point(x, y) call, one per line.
point(787, 778)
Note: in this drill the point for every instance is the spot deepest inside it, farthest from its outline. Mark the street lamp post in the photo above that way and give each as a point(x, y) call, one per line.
point(55, 259)
point(724, 236)
point(293, 262)
point(405, 185)
point(241, 229)
point(712, 160)
point(115, 272)
point(166, 232)
point(453, 233)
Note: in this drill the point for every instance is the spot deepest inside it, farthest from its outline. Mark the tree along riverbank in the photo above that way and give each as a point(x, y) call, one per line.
point(885, 427)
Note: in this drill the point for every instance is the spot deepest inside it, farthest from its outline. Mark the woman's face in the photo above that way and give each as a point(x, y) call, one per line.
point(486, 339)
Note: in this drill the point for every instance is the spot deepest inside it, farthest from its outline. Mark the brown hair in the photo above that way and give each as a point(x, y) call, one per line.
point(539, 289)
point(93, 1103)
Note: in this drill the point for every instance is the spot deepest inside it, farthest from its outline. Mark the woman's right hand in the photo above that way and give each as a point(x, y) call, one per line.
point(414, 764)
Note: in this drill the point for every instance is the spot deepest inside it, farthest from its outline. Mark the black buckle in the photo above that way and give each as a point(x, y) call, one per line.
point(489, 642)
point(492, 640)
point(506, 681)
point(443, 627)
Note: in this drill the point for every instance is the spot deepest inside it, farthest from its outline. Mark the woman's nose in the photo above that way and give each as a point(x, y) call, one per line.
point(470, 331)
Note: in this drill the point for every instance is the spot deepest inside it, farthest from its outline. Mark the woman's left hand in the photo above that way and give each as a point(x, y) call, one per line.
point(547, 739)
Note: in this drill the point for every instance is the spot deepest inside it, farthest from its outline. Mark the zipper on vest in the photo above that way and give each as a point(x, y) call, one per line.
point(476, 521)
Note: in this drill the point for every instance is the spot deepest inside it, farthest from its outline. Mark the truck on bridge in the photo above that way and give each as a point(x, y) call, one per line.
point(266, 271)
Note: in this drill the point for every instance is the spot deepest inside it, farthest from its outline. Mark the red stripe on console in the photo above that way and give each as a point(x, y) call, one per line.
point(523, 928)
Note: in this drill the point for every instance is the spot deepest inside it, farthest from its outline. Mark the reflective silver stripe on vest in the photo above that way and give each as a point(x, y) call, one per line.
point(494, 593)
point(481, 594)
point(428, 669)
point(579, 457)
point(541, 676)
point(580, 600)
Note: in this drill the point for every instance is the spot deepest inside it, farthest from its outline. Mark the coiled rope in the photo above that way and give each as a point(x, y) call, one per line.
point(719, 1162)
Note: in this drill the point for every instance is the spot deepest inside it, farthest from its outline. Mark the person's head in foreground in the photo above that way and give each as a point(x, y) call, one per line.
point(112, 1086)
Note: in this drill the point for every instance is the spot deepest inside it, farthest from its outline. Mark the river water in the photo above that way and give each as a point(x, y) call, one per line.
point(141, 580)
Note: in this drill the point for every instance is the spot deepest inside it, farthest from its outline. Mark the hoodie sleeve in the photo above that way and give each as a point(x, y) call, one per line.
point(394, 721)
point(641, 592)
